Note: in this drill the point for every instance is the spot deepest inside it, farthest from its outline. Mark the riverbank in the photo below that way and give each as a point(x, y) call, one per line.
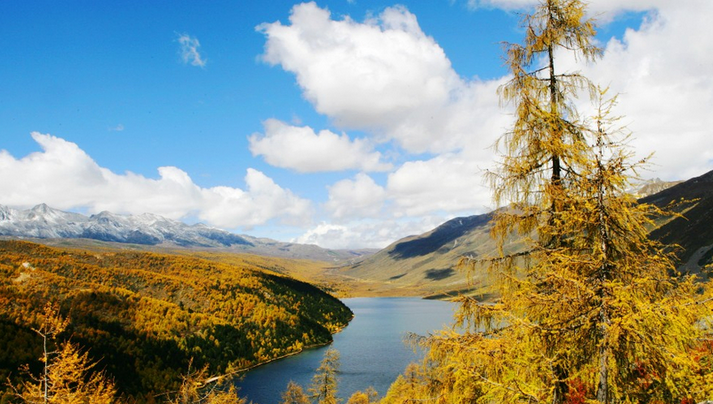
point(287, 355)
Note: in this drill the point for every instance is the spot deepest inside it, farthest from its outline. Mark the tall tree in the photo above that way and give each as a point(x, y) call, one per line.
point(590, 307)
point(325, 381)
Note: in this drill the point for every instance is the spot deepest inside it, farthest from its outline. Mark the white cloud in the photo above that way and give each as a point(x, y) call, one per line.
point(263, 201)
point(366, 233)
point(303, 150)
point(446, 183)
point(189, 50)
point(663, 77)
point(661, 72)
point(357, 198)
point(65, 177)
point(384, 76)
point(117, 128)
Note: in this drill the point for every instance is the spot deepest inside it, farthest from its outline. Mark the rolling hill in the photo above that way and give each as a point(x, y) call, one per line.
point(427, 263)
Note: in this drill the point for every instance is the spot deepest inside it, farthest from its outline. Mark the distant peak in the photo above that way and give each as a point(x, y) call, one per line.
point(103, 213)
point(41, 208)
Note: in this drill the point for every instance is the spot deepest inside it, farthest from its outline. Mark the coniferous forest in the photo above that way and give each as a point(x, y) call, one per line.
point(587, 309)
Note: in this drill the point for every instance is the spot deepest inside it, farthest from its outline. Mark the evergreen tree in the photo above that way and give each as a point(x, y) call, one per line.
point(591, 308)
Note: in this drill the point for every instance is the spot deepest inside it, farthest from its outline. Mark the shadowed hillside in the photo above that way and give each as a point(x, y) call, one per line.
point(694, 231)
point(426, 264)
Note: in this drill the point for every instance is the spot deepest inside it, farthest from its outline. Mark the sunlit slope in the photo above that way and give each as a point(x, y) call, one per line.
point(145, 316)
point(427, 263)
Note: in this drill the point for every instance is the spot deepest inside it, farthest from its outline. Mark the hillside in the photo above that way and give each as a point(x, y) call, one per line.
point(145, 316)
point(426, 263)
point(694, 231)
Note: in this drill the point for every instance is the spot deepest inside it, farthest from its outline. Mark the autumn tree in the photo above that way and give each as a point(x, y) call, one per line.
point(421, 382)
point(198, 387)
point(294, 394)
point(68, 376)
point(323, 389)
point(591, 309)
point(368, 396)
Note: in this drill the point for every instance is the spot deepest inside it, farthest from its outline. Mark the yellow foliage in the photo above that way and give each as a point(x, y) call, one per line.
point(135, 309)
point(591, 307)
point(68, 375)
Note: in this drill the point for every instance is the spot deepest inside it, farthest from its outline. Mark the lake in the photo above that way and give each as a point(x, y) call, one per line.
point(372, 349)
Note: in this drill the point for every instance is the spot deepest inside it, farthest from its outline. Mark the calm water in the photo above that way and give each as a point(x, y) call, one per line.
point(372, 349)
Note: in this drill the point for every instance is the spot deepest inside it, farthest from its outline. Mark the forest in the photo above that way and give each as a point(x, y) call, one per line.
point(145, 317)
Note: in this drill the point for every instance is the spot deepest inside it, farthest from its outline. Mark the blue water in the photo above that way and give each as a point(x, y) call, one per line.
point(372, 349)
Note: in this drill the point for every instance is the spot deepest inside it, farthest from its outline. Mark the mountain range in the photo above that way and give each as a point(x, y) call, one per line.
point(44, 222)
point(415, 265)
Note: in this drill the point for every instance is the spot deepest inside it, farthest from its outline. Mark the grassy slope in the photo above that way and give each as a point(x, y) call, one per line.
point(427, 264)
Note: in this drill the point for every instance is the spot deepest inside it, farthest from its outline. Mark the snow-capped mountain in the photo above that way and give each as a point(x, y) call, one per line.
point(45, 222)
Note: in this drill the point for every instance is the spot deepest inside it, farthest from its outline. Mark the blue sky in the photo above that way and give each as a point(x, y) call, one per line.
point(341, 123)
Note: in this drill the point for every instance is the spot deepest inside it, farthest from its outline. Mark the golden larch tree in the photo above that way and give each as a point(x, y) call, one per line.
point(68, 376)
point(294, 394)
point(324, 387)
point(591, 309)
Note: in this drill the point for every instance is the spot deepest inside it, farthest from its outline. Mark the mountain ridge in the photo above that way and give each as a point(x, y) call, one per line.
point(43, 222)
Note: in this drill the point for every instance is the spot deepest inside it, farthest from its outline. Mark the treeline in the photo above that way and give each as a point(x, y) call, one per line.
point(146, 317)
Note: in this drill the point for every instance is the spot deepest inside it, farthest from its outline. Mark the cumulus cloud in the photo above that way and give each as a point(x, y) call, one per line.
point(386, 77)
point(446, 183)
point(303, 150)
point(189, 50)
point(661, 74)
point(383, 75)
point(64, 176)
point(665, 86)
point(357, 198)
